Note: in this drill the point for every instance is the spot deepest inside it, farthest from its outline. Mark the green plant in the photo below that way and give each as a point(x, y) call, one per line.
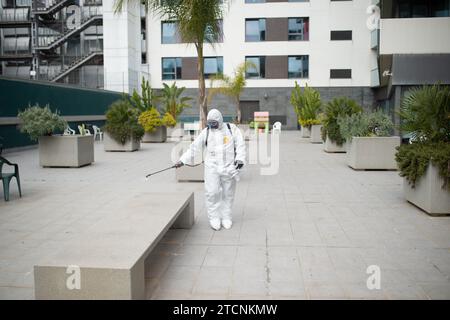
point(335, 108)
point(413, 160)
point(168, 120)
point(121, 122)
point(37, 121)
point(172, 101)
point(365, 124)
point(147, 100)
point(306, 104)
point(425, 113)
point(198, 22)
point(150, 120)
point(231, 86)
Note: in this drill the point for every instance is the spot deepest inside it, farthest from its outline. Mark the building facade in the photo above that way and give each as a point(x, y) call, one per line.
point(335, 46)
point(413, 45)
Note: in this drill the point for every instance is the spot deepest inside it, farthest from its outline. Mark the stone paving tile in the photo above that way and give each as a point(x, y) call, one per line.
point(309, 232)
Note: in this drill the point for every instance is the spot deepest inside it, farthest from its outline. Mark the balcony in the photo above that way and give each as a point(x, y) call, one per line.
point(415, 36)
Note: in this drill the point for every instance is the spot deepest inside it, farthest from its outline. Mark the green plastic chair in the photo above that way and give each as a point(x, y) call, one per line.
point(7, 177)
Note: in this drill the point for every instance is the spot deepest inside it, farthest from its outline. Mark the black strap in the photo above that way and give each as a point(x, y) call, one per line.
point(207, 135)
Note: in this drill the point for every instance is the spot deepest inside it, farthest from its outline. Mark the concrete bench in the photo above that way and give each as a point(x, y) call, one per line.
point(106, 260)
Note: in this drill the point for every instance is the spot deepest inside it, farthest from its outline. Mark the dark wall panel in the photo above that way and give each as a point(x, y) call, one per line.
point(276, 67)
point(189, 68)
point(277, 29)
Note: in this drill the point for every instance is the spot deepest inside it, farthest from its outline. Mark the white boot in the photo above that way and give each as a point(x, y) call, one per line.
point(227, 223)
point(215, 224)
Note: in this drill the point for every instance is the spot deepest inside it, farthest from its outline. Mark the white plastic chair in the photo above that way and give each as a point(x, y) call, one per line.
point(69, 131)
point(277, 126)
point(97, 132)
point(86, 131)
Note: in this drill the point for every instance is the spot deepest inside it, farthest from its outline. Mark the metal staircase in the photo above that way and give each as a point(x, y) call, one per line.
point(70, 32)
point(75, 64)
point(55, 6)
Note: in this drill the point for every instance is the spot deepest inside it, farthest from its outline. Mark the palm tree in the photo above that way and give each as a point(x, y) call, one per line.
point(173, 103)
point(198, 22)
point(231, 86)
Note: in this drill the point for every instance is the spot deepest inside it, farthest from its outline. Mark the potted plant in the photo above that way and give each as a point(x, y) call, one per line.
point(371, 146)
point(331, 134)
point(122, 130)
point(174, 104)
point(306, 105)
point(55, 150)
point(425, 162)
point(155, 126)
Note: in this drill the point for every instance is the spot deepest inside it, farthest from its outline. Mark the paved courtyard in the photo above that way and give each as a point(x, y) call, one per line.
point(309, 232)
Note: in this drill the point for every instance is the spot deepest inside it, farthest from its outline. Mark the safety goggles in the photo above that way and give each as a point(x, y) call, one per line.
point(212, 124)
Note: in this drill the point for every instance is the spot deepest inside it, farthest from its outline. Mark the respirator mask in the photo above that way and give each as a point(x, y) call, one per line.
point(212, 124)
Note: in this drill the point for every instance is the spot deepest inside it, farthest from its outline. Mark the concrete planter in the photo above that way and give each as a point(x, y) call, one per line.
point(175, 133)
point(66, 151)
point(373, 153)
point(316, 133)
point(159, 135)
point(305, 132)
point(186, 173)
point(332, 147)
point(112, 145)
point(428, 193)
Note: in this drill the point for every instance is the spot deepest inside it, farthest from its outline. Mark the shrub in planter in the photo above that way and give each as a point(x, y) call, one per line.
point(413, 160)
point(306, 104)
point(338, 107)
point(370, 145)
point(366, 124)
point(38, 122)
point(425, 163)
point(122, 122)
point(56, 150)
point(150, 120)
point(168, 120)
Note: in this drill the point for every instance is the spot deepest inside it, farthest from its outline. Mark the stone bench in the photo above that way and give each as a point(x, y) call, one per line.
point(106, 260)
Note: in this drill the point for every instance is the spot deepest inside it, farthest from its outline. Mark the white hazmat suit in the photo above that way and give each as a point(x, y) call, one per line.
point(224, 146)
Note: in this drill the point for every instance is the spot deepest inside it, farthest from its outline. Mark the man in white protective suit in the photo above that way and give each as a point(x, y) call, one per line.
point(225, 156)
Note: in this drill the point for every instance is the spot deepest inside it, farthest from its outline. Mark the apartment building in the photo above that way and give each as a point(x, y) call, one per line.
point(331, 45)
point(322, 43)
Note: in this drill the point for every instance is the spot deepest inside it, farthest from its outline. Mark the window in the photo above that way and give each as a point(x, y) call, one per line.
point(169, 32)
point(257, 71)
point(298, 28)
point(255, 30)
point(208, 33)
point(171, 68)
point(340, 73)
point(212, 66)
point(341, 35)
point(298, 66)
point(255, 1)
point(423, 8)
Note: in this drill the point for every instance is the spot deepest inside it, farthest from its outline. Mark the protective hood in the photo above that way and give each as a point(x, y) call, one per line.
point(215, 114)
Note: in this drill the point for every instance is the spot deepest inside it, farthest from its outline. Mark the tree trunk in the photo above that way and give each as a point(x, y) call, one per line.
point(238, 110)
point(202, 102)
